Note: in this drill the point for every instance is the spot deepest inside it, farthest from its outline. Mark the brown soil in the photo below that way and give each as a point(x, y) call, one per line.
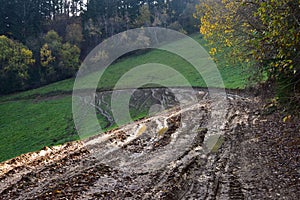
point(258, 158)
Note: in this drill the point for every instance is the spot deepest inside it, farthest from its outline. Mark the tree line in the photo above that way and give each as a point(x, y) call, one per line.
point(44, 41)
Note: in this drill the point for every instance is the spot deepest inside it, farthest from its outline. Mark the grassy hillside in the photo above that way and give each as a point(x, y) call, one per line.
point(43, 117)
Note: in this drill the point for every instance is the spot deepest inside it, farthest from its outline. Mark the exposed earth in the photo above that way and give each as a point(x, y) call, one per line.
point(256, 155)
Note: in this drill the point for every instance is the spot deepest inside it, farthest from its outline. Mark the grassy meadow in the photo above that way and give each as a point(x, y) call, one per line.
point(42, 117)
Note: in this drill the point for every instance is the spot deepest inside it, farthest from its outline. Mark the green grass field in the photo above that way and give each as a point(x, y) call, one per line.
point(42, 117)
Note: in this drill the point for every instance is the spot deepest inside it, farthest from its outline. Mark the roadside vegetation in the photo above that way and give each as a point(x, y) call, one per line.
point(265, 34)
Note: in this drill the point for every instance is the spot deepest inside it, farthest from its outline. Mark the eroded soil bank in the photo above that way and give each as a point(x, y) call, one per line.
point(166, 157)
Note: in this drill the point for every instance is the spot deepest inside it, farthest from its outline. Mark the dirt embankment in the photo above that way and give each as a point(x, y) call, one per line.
point(166, 157)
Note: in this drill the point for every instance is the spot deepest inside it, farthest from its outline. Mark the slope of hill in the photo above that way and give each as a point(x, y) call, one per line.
point(256, 157)
point(43, 116)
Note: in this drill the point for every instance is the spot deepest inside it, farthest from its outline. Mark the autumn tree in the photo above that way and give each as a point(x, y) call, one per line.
point(47, 62)
point(59, 60)
point(68, 60)
point(15, 60)
point(53, 40)
point(263, 33)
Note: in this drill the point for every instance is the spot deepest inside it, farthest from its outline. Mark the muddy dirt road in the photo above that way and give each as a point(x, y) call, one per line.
point(162, 157)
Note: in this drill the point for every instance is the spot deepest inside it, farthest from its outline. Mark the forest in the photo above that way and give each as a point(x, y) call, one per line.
point(44, 41)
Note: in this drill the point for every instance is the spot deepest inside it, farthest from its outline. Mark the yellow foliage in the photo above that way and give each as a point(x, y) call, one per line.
point(15, 59)
point(27, 56)
point(273, 40)
point(46, 55)
point(213, 51)
point(228, 31)
point(258, 31)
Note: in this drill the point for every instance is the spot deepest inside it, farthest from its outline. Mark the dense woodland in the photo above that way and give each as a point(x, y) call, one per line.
point(43, 41)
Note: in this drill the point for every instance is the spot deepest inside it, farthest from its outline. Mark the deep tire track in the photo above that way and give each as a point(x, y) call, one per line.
point(248, 165)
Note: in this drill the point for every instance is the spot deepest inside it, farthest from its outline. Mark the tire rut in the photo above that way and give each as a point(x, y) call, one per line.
point(156, 158)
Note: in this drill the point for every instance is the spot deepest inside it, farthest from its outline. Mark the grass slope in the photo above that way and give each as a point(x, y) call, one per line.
point(43, 117)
